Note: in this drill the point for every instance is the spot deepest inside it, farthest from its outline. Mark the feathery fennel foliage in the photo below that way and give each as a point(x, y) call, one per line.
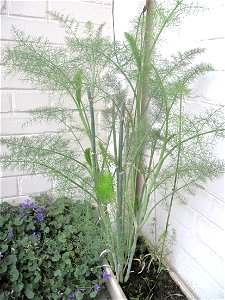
point(149, 141)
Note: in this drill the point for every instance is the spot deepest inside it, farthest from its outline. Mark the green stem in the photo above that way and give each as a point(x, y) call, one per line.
point(130, 260)
point(174, 187)
point(93, 140)
point(120, 197)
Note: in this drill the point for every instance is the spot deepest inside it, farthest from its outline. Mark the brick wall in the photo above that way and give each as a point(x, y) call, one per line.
point(18, 96)
point(198, 251)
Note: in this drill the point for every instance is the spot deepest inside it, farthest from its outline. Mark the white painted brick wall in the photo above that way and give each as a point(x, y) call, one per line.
point(17, 96)
point(198, 252)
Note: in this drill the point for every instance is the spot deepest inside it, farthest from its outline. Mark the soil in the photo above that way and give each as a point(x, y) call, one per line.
point(146, 282)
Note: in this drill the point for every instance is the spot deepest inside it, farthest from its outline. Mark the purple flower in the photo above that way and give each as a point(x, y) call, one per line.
point(25, 204)
point(37, 235)
point(96, 287)
point(1, 255)
point(33, 204)
point(10, 234)
point(22, 215)
point(40, 217)
point(34, 221)
point(40, 209)
point(106, 276)
point(73, 294)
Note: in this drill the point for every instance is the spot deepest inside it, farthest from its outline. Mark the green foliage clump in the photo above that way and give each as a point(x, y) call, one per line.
point(49, 251)
point(105, 188)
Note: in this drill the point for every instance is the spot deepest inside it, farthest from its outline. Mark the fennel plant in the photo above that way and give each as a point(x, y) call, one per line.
point(149, 142)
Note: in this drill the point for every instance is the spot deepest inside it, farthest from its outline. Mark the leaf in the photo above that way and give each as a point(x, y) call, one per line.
point(78, 84)
point(134, 49)
point(105, 189)
point(57, 273)
point(4, 296)
point(29, 291)
point(87, 155)
point(93, 294)
point(32, 267)
point(14, 273)
point(18, 221)
point(77, 273)
point(47, 229)
point(30, 226)
point(2, 221)
point(25, 241)
point(18, 286)
point(65, 256)
point(3, 268)
point(56, 257)
point(61, 238)
point(31, 255)
point(37, 277)
point(11, 259)
point(79, 296)
point(4, 248)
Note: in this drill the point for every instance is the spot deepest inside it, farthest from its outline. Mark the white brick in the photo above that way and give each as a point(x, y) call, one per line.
point(183, 214)
point(216, 188)
point(202, 283)
point(178, 259)
point(205, 257)
point(29, 100)
point(210, 235)
point(63, 101)
point(204, 25)
point(208, 206)
point(212, 87)
point(14, 200)
point(52, 31)
point(8, 187)
point(9, 173)
point(6, 102)
point(215, 49)
point(82, 12)
point(29, 8)
point(7, 22)
point(13, 81)
point(13, 124)
point(4, 7)
point(29, 185)
point(210, 4)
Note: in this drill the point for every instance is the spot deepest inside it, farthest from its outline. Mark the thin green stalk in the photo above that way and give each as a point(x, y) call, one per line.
point(130, 260)
point(114, 135)
point(93, 140)
point(174, 185)
point(120, 196)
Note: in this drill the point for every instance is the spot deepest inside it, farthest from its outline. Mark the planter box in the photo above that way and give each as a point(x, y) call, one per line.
point(117, 293)
point(112, 285)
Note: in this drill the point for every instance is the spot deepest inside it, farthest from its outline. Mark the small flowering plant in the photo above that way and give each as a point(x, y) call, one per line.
point(50, 251)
